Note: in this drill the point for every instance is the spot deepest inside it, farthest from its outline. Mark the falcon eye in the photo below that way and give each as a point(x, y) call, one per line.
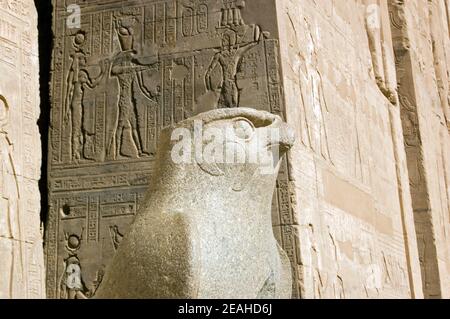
point(243, 129)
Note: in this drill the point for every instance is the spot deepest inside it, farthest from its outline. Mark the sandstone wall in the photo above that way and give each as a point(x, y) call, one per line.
point(21, 251)
point(349, 174)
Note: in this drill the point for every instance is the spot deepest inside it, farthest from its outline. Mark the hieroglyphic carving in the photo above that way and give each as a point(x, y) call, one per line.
point(52, 250)
point(146, 66)
point(194, 17)
point(20, 8)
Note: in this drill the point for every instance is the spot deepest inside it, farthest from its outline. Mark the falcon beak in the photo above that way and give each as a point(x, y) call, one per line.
point(283, 137)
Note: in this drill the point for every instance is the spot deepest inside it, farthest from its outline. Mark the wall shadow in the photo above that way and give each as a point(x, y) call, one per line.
point(44, 10)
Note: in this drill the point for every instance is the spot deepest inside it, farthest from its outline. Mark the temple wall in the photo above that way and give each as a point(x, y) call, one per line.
point(21, 249)
point(421, 36)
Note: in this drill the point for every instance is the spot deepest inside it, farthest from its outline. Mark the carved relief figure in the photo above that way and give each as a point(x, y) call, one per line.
point(11, 263)
point(194, 17)
point(127, 68)
point(379, 50)
point(317, 101)
point(9, 184)
point(233, 48)
point(72, 285)
point(78, 80)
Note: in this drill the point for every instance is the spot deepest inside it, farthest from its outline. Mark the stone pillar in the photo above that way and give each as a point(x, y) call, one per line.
point(423, 92)
point(21, 246)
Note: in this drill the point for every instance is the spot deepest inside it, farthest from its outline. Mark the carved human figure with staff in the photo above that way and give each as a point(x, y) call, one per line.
point(229, 59)
point(78, 80)
point(127, 68)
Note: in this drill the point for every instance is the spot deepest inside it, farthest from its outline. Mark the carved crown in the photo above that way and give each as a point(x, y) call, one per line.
point(124, 28)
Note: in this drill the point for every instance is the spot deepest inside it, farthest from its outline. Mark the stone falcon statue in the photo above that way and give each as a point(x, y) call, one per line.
point(205, 228)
